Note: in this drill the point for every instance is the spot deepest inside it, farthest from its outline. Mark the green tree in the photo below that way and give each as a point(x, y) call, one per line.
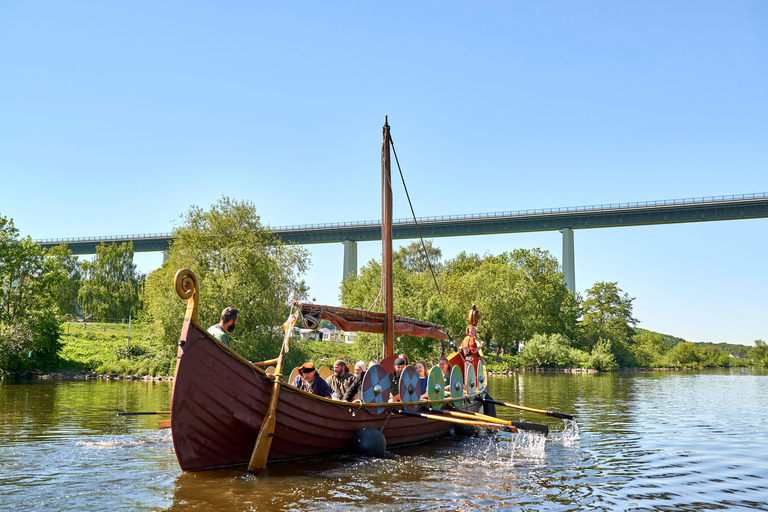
point(111, 287)
point(686, 354)
point(518, 294)
point(607, 313)
point(549, 307)
point(238, 262)
point(66, 272)
point(29, 316)
point(414, 258)
point(759, 353)
point(649, 349)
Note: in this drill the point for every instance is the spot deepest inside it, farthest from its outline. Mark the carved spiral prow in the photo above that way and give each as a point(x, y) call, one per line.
point(185, 282)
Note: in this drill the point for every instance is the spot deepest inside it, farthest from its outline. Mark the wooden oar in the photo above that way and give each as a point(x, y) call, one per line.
point(554, 414)
point(520, 425)
point(264, 440)
point(481, 424)
point(142, 413)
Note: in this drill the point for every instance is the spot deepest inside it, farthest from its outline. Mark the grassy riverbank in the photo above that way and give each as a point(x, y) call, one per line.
point(107, 349)
point(104, 349)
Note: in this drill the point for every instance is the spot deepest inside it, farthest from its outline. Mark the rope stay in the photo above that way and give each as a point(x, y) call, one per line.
point(423, 245)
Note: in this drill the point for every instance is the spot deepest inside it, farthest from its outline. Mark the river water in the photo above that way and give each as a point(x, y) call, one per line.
point(667, 441)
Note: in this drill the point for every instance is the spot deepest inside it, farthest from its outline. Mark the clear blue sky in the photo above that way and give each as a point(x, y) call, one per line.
point(117, 116)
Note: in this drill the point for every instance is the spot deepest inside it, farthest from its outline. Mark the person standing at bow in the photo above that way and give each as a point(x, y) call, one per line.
point(226, 326)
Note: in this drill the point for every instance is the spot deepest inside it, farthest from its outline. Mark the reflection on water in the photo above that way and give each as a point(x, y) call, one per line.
point(642, 441)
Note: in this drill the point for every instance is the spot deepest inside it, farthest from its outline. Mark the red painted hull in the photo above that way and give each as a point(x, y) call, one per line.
point(219, 401)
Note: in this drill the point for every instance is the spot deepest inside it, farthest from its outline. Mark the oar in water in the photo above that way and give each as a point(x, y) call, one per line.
point(142, 413)
point(520, 425)
point(266, 432)
point(481, 424)
point(554, 414)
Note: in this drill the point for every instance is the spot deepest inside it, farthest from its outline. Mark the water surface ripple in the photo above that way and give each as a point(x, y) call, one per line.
point(661, 441)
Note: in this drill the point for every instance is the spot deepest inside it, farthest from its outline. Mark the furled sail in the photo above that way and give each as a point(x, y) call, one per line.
point(360, 320)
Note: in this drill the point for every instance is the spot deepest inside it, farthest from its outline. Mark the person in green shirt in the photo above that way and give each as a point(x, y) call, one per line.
point(226, 325)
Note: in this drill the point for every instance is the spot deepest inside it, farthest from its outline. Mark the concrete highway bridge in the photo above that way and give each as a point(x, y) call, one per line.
point(565, 220)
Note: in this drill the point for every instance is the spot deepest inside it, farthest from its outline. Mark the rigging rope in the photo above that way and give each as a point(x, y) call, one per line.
point(426, 254)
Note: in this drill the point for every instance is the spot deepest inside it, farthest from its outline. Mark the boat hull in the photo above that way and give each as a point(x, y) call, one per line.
point(220, 399)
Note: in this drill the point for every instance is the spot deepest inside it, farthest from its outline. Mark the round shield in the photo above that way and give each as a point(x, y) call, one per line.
point(409, 386)
point(470, 382)
point(435, 389)
point(294, 374)
point(457, 385)
point(324, 372)
point(482, 377)
point(376, 387)
point(389, 363)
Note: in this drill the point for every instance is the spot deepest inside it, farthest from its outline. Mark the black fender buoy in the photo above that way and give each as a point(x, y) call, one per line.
point(370, 442)
point(489, 409)
point(465, 430)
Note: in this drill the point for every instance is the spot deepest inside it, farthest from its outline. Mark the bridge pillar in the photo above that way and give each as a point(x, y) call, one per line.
point(350, 258)
point(569, 265)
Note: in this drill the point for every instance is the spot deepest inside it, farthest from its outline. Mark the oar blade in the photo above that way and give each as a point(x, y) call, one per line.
point(531, 427)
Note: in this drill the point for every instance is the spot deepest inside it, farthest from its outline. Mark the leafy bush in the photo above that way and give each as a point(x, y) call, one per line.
point(551, 351)
point(502, 363)
point(601, 357)
point(686, 354)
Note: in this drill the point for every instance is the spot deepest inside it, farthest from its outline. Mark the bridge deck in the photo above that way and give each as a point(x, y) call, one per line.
point(744, 206)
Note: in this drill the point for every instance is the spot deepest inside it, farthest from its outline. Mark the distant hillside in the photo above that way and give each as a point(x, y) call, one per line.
point(669, 341)
point(672, 341)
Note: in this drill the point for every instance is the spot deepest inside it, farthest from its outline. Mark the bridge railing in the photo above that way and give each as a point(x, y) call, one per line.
point(539, 211)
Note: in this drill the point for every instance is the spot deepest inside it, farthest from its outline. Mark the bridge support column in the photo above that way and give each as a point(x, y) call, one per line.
point(350, 258)
point(569, 266)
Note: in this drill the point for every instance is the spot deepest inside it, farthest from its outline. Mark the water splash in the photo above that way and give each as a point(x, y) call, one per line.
point(570, 434)
point(109, 443)
point(502, 449)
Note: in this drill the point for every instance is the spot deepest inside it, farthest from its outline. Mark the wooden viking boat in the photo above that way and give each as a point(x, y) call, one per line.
point(227, 411)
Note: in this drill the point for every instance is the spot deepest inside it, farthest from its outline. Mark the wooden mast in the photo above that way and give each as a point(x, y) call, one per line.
point(386, 244)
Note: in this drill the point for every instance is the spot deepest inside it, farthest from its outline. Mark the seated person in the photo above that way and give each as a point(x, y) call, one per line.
point(357, 381)
point(341, 379)
point(421, 369)
point(445, 367)
point(308, 380)
point(394, 380)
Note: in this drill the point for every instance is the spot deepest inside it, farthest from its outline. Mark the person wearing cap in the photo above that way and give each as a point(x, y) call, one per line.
point(341, 379)
point(308, 380)
point(394, 380)
point(357, 381)
point(227, 324)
